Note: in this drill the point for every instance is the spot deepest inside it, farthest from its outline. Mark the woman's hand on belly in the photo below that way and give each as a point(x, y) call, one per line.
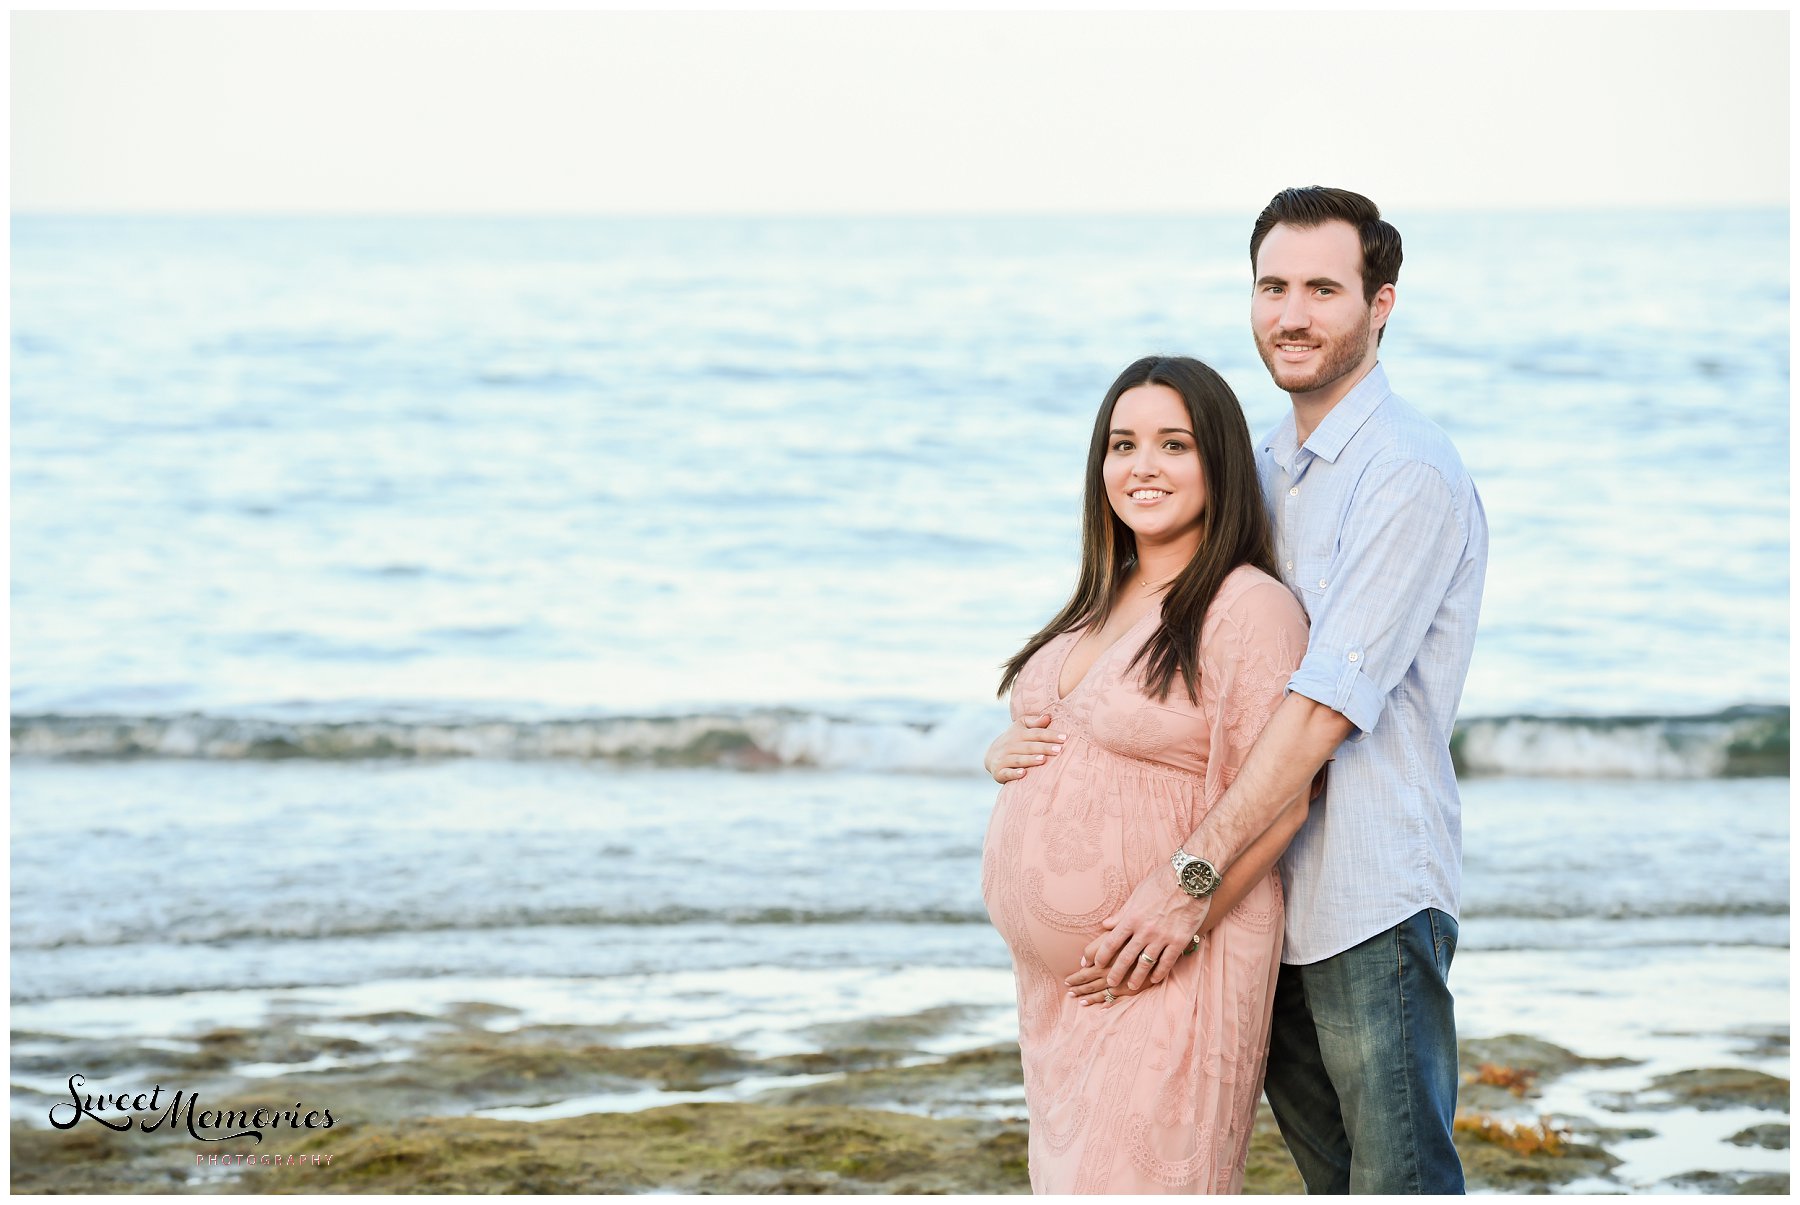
point(1088, 986)
point(1020, 747)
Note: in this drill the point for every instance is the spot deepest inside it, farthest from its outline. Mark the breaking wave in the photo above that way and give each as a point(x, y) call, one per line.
point(1738, 742)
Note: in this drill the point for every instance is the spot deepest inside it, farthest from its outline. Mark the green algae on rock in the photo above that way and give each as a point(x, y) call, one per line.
point(1493, 1161)
point(692, 1148)
point(1270, 1170)
point(466, 1072)
point(1739, 1184)
point(904, 1032)
point(1771, 1136)
point(1718, 1088)
point(90, 1159)
point(968, 1081)
point(891, 1118)
point(1491, 1168)
point(1541, 1061)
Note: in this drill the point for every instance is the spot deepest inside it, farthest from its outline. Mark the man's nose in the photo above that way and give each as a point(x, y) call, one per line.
point(1294, 314)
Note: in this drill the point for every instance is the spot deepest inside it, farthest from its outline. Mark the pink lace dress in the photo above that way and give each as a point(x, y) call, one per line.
point(1158, 1092)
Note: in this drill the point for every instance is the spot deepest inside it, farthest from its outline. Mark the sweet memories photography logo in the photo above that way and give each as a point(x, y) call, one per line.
point(150, 1111)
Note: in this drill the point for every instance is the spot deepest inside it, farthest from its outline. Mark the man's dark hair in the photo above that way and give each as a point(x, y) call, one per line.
point(1314, 206)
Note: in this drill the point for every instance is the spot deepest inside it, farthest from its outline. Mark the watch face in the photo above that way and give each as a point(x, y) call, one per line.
point(1199, 878)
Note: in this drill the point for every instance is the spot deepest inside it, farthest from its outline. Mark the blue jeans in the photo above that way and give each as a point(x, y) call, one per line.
point(1362, 1063)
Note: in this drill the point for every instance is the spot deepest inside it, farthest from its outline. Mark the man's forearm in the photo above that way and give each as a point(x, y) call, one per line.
point(1254, 863)
point(1298, 739)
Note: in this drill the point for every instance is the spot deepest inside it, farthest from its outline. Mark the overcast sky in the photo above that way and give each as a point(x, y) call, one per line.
point(911, 112)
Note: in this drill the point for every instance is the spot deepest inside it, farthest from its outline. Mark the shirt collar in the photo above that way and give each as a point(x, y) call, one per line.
point(1346, 418)
point(1281, 446)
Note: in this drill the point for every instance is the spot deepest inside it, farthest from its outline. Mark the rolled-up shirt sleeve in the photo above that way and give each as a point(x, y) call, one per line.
point(1399, 545)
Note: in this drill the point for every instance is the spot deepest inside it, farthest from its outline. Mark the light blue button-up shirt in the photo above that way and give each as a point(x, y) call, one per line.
point(1380, 534)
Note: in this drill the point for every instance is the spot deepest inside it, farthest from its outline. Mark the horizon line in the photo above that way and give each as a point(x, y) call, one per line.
point(815, 214)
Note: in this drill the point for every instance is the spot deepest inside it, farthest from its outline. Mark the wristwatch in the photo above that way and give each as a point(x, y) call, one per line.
point(1198, 877)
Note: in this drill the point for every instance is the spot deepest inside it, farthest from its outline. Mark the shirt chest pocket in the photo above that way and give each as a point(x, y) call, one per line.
point(1314, 553)
point(1312, 574)
point(1311, 546)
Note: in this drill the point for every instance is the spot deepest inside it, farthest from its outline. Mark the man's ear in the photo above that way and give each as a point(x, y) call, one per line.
point(1382, 306)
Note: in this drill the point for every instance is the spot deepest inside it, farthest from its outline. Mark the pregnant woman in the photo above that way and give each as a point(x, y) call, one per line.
point(1159, 674)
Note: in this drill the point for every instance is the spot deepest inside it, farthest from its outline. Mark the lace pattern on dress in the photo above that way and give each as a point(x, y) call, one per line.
point(1113, 881)
point(1072, 839)
point(1060, 1140)
point(1261, 673)
point(1173, 1172)
point(1261, 914)
point(1142, 735)
point(1124, 1052)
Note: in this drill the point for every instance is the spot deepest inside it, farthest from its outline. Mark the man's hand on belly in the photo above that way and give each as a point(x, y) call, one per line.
point(1148, 934)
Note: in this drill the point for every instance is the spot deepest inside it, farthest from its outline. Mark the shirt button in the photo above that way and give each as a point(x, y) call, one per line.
point(1321, 583)
point(1294, 493)
point(1353, 656)
point(1290, 566)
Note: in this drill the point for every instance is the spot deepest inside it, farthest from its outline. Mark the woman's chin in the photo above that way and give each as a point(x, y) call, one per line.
point(1162, 535)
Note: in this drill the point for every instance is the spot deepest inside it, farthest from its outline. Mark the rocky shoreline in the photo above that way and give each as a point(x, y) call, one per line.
point(467, 1100)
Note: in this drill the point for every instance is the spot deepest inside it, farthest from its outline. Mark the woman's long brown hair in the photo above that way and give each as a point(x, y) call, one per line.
point(1234, 528)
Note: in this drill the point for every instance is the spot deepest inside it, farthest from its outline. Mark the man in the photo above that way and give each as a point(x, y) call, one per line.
point(1380, 534)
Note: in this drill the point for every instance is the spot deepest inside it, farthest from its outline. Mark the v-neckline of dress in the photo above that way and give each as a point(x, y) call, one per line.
point(1155, 608)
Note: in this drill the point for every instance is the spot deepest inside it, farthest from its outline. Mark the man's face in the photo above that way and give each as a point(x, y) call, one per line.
point(1312, 327)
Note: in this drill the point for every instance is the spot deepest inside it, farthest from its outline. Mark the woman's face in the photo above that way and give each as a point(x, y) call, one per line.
point(1152, 470)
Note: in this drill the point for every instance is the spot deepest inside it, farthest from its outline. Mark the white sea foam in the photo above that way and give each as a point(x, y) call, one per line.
point(1745, 740)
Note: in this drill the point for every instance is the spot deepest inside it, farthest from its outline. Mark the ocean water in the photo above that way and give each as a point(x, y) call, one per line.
point(308, 873)
point(590, 612)
point(551, 468)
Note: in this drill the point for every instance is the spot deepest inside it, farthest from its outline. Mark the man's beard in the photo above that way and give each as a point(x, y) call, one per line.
point(1342, 356)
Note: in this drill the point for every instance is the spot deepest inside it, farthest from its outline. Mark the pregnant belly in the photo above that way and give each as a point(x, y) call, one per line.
point(1050, 878)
